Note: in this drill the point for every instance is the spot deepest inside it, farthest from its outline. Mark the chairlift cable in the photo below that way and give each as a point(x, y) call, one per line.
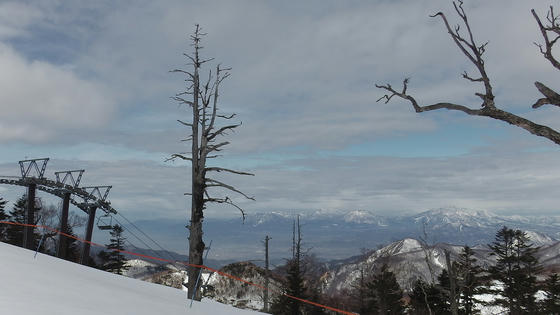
point(141, 241)
point(168, 253)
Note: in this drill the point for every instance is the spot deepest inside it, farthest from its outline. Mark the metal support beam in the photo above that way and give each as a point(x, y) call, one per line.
point(62, 240)
point(28, 235)
point(89, 232)
point(27, 166)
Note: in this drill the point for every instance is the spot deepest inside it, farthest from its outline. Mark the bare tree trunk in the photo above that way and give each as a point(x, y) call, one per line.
point(204, 134)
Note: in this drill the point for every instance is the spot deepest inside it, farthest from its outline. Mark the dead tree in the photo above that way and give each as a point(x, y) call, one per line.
point(207, 127)
point(474, 53)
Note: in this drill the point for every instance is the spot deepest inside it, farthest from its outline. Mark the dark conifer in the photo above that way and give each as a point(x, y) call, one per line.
point(3, 217)
point(516, 269)
point(469, 280)
point(72, 249)
point(426, 295)
point(14, 233)
point(115, 260)
point(386, 293)
point(551, 287)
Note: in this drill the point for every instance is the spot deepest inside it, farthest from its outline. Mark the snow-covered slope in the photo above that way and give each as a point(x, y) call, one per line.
point(47, 285)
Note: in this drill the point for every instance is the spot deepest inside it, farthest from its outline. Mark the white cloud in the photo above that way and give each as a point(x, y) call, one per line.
point(40, 101)
point(15, 17)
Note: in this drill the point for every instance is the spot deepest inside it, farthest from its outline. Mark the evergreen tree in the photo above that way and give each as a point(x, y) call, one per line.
point(3, 217)
point(516, 269)
point(360, 294)
point(295, 287)
point(551, 303)
point(386, 293)
point(72, 246)
point(469, 281)
point(424, 295)
point(115, 260)
point(14, 233)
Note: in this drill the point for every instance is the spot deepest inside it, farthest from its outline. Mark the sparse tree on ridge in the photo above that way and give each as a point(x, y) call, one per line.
point(207, 126)
point(474, 52)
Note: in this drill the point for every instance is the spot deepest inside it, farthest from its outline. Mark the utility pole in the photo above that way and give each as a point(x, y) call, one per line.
point(266, 273)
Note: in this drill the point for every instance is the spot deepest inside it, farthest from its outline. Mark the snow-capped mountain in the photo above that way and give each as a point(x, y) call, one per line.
point(410, 260)
point(342, 234)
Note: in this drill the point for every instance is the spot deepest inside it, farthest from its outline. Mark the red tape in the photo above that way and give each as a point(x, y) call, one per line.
point(183, 263)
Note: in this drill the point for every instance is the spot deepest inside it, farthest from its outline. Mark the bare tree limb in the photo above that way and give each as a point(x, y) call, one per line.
point(228, 201)
point(474, 52)
point(551, 97)
point(178, 156)
point(214, 183)
point(221, 131)
point(219, 169)
point(549, 44)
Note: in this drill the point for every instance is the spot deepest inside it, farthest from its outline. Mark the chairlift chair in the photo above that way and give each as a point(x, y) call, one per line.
point(102, 225)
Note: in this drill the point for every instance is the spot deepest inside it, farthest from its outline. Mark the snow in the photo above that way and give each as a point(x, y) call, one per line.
point(48, 285)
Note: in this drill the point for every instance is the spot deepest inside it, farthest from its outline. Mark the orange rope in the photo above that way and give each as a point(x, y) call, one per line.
point(183, 263)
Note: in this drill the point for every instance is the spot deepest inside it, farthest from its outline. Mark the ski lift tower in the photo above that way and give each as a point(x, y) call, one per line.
point(95, 193)
point(64, 178)
point(31, 173)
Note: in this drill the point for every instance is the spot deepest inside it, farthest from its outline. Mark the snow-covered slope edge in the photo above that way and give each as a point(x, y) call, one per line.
point(48, 285)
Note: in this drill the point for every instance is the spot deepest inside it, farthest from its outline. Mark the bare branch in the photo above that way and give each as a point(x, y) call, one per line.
point(228, 201)
point(212, 148)
point(553, 27)
point(184, 123)
point(182, 100)
point(226, 116)
point(471, 50)
point(492, 112)
point(178, 156)
point(214, 183)
point(219, 169)
point(466, 76)
point(551, 97)
point(222, 131)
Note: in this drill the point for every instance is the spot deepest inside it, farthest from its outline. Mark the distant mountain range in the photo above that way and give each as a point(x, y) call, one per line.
point(340, 235)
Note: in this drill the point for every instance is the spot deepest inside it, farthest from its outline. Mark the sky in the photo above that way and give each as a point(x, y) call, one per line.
point(87, 84)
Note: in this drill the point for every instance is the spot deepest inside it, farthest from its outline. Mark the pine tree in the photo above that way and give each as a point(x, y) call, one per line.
point(516, 270)
point(3, 217)
point(14, 233)
point(551, 303)
point(362, 300)
point(469, 280)
point(424, 294)
point(72, 249)
point(295, 287)
point(386, 293)
point(115, 260)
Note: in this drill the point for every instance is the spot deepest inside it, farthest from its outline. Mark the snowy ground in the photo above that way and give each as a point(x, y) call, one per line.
point(47, 285)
